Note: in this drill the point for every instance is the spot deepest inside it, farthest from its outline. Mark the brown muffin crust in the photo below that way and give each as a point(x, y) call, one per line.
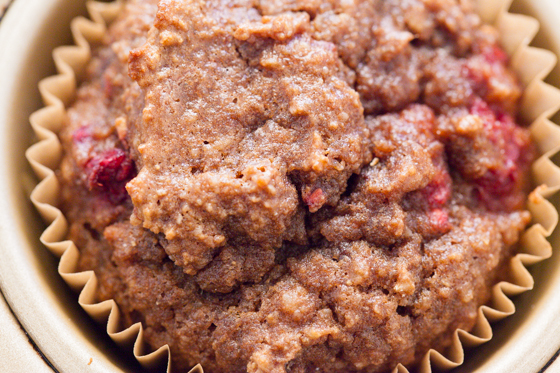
point(296, 186)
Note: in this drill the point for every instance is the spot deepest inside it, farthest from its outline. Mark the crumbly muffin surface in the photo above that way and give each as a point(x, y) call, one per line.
point(295, 186)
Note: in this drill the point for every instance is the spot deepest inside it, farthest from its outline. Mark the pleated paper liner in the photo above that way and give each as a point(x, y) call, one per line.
point(540, 101)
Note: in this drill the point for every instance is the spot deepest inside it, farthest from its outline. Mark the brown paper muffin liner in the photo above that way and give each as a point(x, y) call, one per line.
point(539, 102)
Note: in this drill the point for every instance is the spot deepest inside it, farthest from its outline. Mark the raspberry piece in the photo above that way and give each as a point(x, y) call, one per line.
point(82, 134)
point(495, 55)
point(515, 153)
point(438, 192)
point(439, 220)
point(315, 200)
point(109, 172)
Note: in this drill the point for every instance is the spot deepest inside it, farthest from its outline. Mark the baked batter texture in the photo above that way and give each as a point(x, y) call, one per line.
point(297, 186)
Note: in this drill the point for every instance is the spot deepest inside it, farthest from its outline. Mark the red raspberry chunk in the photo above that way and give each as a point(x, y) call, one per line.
point(515, 151)
point(109, 172)
point(315, 200)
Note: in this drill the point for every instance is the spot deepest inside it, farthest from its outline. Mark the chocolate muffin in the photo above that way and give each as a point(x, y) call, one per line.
point(297, 186)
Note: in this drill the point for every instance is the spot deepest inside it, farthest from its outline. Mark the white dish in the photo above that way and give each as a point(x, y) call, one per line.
point(48, 309)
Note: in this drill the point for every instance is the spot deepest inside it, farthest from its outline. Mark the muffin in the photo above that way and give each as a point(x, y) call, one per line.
point(296, 186)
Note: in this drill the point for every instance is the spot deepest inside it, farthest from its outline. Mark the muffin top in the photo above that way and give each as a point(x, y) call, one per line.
point(294, 186)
